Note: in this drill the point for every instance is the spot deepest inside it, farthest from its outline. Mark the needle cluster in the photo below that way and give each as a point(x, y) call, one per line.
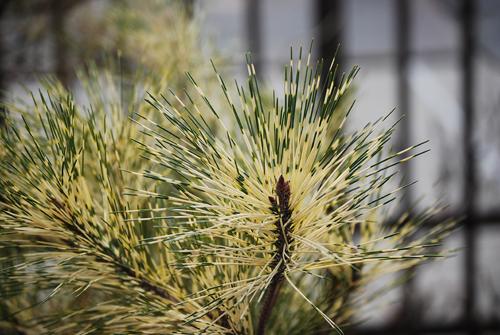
point(223, 217)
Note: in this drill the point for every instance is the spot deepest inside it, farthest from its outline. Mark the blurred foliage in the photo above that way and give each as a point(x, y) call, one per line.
point(107, 94)
point(158, 35)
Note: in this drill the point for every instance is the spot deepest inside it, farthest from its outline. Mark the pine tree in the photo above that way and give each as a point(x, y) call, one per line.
point(251, 217)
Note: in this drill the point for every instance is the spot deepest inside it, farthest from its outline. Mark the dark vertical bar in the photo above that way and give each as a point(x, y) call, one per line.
point(254, 32)
point(468, 85)
point(3, 77)
point(403, 43)
point(403, 37)
point(58, 14)
point(189, 7)
point(329, 16)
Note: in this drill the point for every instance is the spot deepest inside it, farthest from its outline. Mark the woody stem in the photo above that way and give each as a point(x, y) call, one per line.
point(280, 205)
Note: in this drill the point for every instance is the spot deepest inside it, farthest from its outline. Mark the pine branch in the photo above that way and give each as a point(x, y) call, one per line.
point(200, 246)
point(146, 284)
point(281, 207)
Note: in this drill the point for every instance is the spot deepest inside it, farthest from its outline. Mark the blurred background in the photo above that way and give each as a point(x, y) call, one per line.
point(436, 61)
